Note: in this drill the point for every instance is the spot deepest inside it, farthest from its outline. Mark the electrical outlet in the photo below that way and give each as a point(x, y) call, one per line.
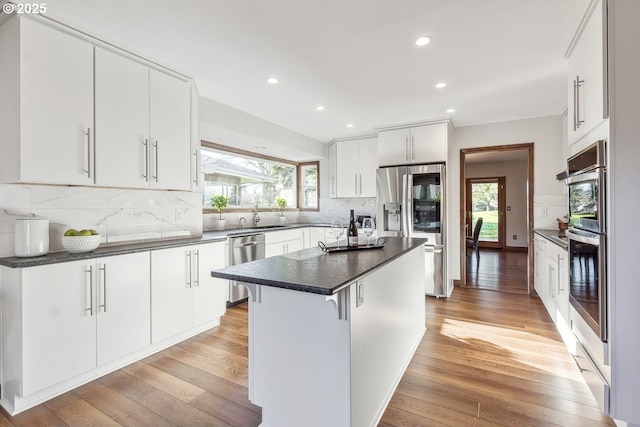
point(515, 237)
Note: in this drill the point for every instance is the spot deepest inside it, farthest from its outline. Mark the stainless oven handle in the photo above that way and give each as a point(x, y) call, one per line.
point(583, 177)
point(593, 239)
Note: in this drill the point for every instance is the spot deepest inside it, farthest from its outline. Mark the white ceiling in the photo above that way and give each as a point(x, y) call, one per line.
point(502, 59)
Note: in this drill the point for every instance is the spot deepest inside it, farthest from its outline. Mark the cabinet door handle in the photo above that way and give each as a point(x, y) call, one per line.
point(406, 148)
point(89, 271)
point(88, 169)
point(361, 184)
point(575, 105)
point(356, 182)
point(103, 269)
point(188, 260)
point(145, 144)
point(412, 147)
point(197, 281)
point(197, 171)
point(560, 281)
point(155, 152)
point(577, 109)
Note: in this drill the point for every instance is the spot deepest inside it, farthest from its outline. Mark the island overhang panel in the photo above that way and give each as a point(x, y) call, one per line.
point(330, 335)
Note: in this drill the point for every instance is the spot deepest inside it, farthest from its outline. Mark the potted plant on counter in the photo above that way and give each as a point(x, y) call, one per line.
point(220, 202)
point(281, 203)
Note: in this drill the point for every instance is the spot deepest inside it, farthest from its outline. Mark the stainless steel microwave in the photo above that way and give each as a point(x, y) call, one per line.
point(586, 189)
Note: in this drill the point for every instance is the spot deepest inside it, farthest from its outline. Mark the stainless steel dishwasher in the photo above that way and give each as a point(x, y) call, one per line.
point(243, 249)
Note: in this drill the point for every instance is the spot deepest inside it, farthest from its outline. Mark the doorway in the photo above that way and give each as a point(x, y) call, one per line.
point(486, 200)
point(508, 238)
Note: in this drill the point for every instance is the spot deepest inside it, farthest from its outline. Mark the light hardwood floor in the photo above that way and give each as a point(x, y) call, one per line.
point(487, 359)
point(499, 270)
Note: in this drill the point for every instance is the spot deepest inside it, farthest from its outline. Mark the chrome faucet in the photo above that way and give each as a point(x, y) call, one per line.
point(241, 221)
point(256, 217)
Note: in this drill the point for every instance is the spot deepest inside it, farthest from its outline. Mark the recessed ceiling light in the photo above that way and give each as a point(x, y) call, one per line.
point(451, 110)
point(422, 41)
point(349, 125)
point(320, 108)
point(272, 80)
point(441, 85)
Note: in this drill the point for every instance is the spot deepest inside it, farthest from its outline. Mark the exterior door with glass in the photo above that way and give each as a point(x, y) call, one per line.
point(486, 199)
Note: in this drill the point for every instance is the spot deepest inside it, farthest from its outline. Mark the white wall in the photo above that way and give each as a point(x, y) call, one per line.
point(225, 125)
point(549, 159)
point(515, 174)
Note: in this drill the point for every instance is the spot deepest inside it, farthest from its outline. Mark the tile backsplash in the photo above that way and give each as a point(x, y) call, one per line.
point(126, 215)
point(547, 209)
point(119, 215)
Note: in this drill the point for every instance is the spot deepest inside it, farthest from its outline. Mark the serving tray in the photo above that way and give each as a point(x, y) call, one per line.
point(331, 248)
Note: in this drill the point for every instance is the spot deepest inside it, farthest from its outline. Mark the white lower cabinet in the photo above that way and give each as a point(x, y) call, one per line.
point(183, 293)
point(318, 234)
point(540, 267)
point(282, 242)
point(558, 273)
point(552, 284)
point(123, 305)
point(62, 320)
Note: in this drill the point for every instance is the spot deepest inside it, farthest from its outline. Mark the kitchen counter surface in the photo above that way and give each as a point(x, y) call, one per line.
point(553, 236)
point(311, 270)
point(122, 249)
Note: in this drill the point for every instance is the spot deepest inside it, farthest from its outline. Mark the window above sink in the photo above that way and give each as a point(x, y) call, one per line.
point(250, 179)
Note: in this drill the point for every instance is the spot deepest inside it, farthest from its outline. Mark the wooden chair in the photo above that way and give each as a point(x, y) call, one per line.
point(472, 241)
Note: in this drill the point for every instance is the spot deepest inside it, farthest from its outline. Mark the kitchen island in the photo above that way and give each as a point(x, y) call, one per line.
point(330, 335)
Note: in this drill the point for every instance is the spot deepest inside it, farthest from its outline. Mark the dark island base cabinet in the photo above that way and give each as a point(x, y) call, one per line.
point(335, 360)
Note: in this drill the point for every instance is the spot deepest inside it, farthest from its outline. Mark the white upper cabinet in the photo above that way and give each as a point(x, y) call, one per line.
point(122, 121)
point(413, 145)
point(143, 121)
point(46, 125)
point(356, 164)
point(587, 103)
point(144, 133)
point(333, 170)
point(170, 132)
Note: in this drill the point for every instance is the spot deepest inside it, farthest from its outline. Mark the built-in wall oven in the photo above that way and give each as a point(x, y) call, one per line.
point(586, 185)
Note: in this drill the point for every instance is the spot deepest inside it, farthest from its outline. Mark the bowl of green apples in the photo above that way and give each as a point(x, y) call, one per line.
point(75, 241)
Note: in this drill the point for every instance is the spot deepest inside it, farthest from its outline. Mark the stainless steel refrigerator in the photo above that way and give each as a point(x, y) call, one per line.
point(411, 203)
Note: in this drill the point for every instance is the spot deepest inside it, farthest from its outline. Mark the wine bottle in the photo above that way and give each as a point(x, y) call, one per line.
point(352, 232)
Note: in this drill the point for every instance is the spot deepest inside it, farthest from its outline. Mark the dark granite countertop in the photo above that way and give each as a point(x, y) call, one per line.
point(128, 248)
point(553, 236)
point(311, 270)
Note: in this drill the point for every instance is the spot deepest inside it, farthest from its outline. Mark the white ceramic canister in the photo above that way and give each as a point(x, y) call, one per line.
point(32, 236)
